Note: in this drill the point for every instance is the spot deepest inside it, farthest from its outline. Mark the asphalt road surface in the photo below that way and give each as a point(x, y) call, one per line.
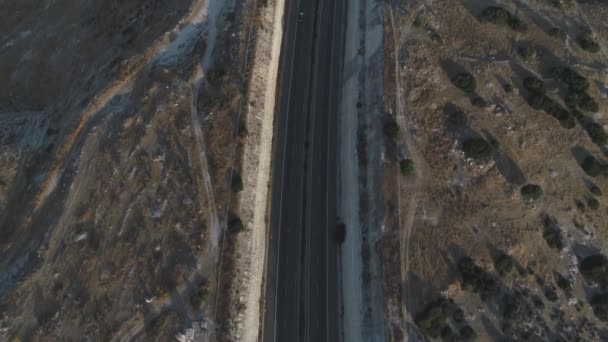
point(302, 281)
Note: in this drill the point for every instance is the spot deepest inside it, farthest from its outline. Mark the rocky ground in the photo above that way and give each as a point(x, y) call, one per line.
point(119, 133)
point(495, 170)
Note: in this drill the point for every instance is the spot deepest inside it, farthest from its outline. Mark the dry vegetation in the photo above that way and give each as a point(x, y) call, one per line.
point(487, 239)
point(104, 212)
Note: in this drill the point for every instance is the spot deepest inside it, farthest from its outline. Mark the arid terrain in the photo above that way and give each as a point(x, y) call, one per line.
point(495, 182)
point(122, 126)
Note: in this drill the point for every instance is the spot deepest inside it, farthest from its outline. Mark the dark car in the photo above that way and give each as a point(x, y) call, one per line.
point(340, 232)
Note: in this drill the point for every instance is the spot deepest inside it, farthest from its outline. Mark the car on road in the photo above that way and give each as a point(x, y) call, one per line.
point(340, 232)
point(300, 16)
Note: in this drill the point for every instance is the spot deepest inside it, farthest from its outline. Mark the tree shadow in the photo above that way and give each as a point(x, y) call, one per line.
point(494, 332)
point(507, 167)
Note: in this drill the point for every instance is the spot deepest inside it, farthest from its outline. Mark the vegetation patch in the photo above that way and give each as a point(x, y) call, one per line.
point(476, 280)
point(594, 269)
point(477, 148)
point(407, 167)
point(587, 43)
point(552, 233)
point(391, 129)
point(501, 17)
point(465, 81)
point(599, 303)
point(534, 85)
point(531, 192)
point(432, 320)
point(503, 264)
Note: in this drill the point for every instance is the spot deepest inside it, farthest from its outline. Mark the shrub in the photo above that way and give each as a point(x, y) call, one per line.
point(475, 279)
point(457, 119)
point(431, 320)
point(235, 225)
point(503, 264)
point(586, 42)
point(551, 294)
point(465, 81)
point(478, 101)
point(534, 85)
point(477, 148)
point(508, 88)
point(199, 296)
point(526, 52)
point(407, 167)
point(594, 269)
point(563, 282)
point(591, 166)
point(552, 233)
point(391, 129)
point(593, 203)
point(501, 17)
point(556, 32)
point(599, 303)
point(531, 192)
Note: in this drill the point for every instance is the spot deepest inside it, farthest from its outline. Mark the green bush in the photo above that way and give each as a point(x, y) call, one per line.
point(458, 315)
point(534, 85)
point(457, 119)
point(432, 320)
point(594, 269)
point(508, 88)
point(599, 303)
point(586, 42)
point(407, 167)
point(465, 81)
point(531, 192)
point(476, 280)
point(477, 148)
point(391, 129)
point(592, 166)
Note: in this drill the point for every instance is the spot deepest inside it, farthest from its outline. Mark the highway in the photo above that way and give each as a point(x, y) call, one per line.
point(301, 295)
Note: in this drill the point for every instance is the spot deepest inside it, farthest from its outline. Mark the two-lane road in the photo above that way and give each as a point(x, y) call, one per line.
point(301, 281)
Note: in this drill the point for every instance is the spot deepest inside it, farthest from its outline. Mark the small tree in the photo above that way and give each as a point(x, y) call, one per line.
point(594, 269)
point(477, 148)
point(407, 167)
point(531, 192)
point(391, 129)
point(599, 303)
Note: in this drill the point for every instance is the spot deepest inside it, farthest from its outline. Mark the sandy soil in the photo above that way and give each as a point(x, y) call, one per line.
point(251, 250)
